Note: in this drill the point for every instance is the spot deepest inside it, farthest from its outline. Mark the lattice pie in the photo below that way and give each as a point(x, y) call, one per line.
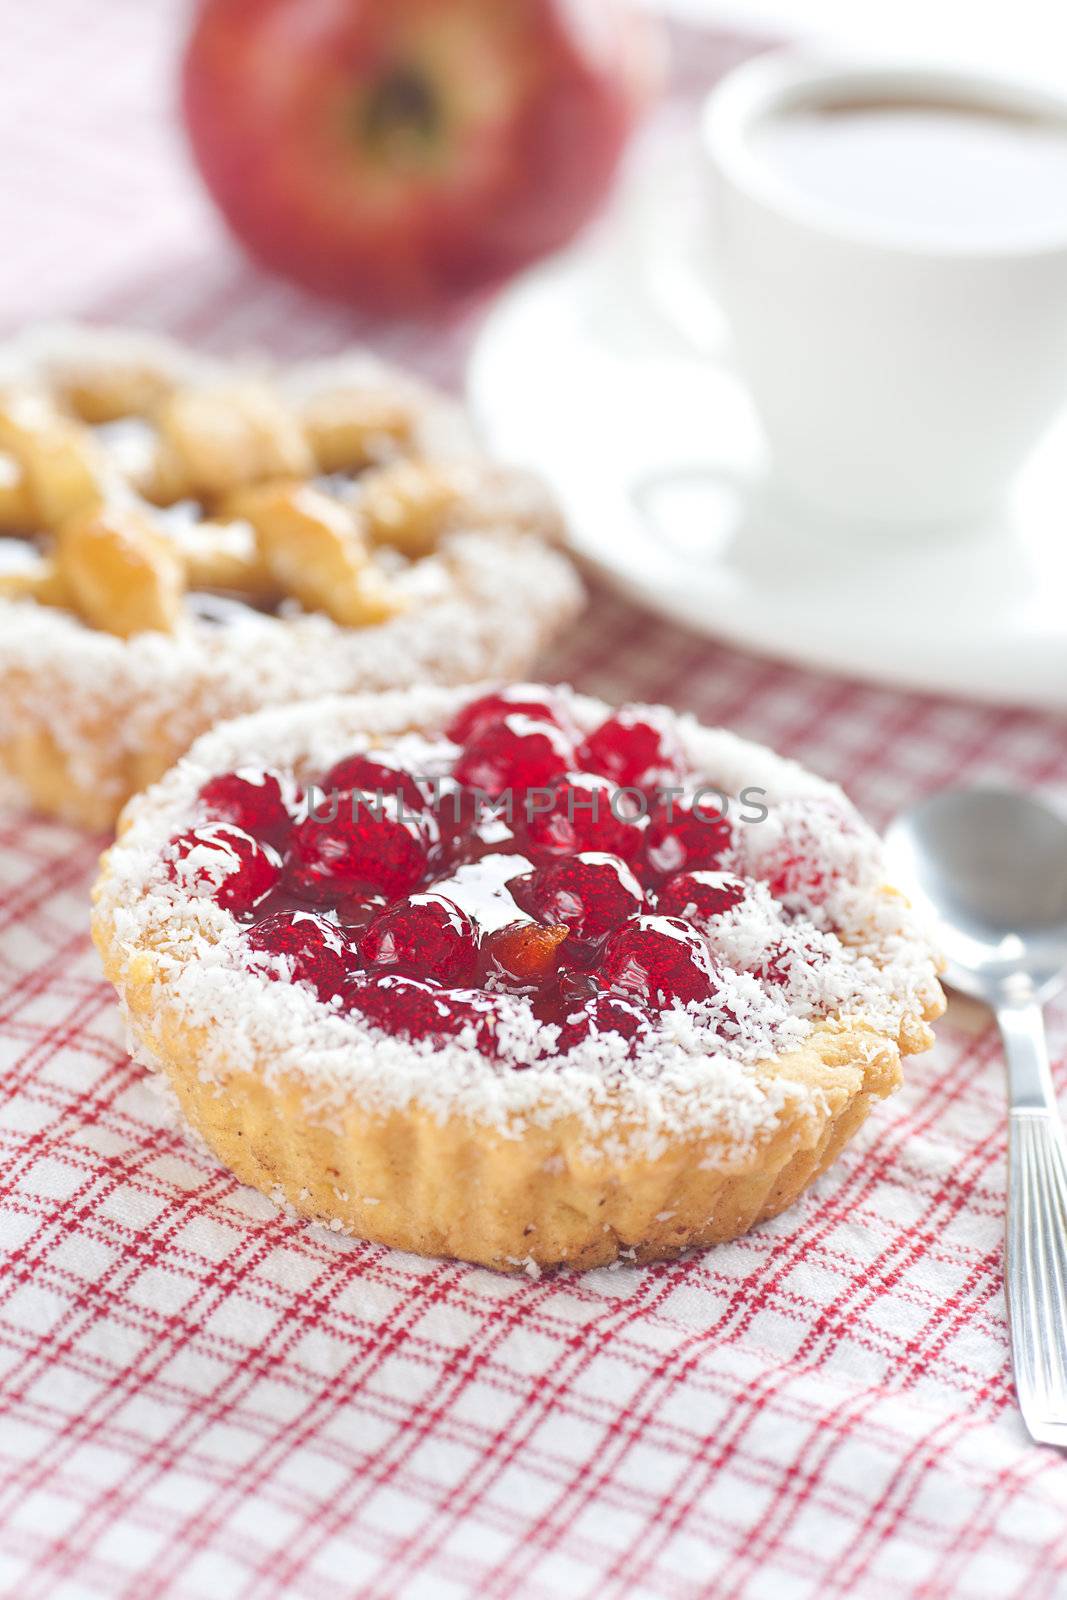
point(182, 541)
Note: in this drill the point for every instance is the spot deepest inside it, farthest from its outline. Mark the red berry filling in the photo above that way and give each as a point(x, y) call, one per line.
point(516, 753)
point(699, 896)
point(603, 1014)
point(359, 841)
point(591, 894)
point(358, 911)
point(635, 750)
point(413, 899)
point(686, 835)
point(317, 951)
point(427, 936)
point(421, 1011)
point(250, 799)
point(375, 778)
point(659, 960)
point(578, 814)
point(238, 871)
point(525, 698)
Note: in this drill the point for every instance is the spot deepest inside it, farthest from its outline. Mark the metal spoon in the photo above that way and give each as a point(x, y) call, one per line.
point(991, 864)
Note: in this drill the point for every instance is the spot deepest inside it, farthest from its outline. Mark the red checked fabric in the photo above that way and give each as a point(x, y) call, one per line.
point(200, 1398)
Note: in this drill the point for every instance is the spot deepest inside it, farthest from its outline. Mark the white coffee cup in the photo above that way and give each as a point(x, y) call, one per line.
point(899, 381)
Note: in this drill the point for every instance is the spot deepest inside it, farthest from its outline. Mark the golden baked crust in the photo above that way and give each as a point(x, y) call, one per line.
point(530, 1188)
point(463, 1189)
point(179, 546)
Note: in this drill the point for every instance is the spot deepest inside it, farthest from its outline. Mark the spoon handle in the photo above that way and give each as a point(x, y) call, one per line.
point(1035, 1268)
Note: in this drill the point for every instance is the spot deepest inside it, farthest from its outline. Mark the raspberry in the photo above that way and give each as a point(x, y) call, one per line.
point(686, 835)
point(523, 953)
point(526, 698)
point(698, 896)
point(318, 952)
point(374, 778)
point(604, 1014)
point(252, 800)
point(366, 845)
point(418, 1010)
point(659, 960)
point(591, 894)
point(515, 753)
point(427, 936)
point(580, 817)
point(237, 868)
point(636, 748)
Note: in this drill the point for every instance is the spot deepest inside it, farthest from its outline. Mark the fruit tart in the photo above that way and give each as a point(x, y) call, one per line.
point(512, 976)
point(182, 541)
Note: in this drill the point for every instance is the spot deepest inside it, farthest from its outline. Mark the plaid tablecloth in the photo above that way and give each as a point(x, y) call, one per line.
point(201, 1398)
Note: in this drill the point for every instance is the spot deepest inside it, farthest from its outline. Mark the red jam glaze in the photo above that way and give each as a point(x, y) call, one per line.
point(374, 777)
point(426, 936)
point(318, 951)
point(602, 1014)
point(699, 896)
point(252, 800)
point(591, 894)
point(599, 944)
point(459, 813)
point(237, 870)
point(659, 960)
point(635, 750)
point(527, 698)
point(358, 911)
point(419, 1010)
point(517, 753)
point(362, 842)
point(686, 834)
point(578, 815)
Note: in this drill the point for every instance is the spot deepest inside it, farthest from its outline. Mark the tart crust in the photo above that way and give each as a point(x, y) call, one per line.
point(508, 1180)
point(88, 718)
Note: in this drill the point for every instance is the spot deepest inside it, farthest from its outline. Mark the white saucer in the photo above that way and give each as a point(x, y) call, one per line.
point(607, 371)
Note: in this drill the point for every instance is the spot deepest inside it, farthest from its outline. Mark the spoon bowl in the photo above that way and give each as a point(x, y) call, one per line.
point(991, 867)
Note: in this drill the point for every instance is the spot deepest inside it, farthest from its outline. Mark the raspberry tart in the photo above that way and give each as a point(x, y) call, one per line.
point(509, 975)
point(182, 541)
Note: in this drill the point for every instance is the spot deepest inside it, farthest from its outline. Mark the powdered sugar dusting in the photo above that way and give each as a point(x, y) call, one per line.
point(853, 952)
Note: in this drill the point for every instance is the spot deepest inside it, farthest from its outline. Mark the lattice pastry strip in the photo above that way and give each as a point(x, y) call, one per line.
point(312, 547)
point(213, 441)
point(350, 429)
point(242, 451)
point(61, 469)
point(121, 573)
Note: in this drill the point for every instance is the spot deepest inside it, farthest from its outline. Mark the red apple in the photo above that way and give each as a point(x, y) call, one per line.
point(401, 153)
